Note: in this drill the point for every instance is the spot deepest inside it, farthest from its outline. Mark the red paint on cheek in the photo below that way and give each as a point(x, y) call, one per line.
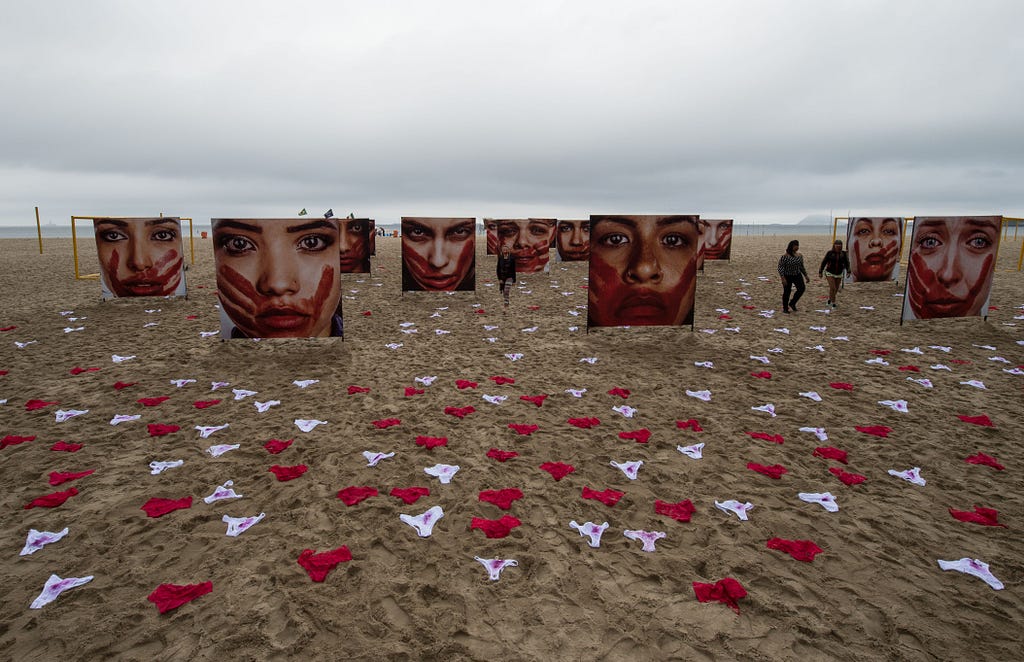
point(115, 282)
point(606, 290)
point(415, 262)
point(324, 288)
point(241, 283)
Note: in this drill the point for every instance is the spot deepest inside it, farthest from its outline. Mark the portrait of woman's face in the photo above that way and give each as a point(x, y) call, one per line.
point(529, 239)
point(140, 257)
point(573, 239)
point(952, 260)
point(491, 231)
point(278, 278)
point(438, 254)
point(874, 248)
point(717, 239)
point(354, 245)
point(643, 270)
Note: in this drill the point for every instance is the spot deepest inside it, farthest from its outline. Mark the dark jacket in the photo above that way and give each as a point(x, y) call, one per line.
point(835, 263)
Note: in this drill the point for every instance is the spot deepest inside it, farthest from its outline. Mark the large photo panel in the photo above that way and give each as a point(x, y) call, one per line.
point(952, 261)
point(438, 254)
point(643, 270)
point(278, 277)
point(717, 237)
point(874, 245)
point(573, 240)
point(355, 245)
point(529, 239)
point(140, 257)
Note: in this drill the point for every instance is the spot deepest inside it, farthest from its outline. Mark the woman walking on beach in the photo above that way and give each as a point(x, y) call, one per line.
point(791, 268)
point(833, 266)
point(506, 271)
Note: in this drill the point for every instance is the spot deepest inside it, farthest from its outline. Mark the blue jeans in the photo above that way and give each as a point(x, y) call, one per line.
point(796, 281)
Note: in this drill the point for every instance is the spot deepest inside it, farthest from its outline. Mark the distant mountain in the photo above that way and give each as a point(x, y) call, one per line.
point(815, 219)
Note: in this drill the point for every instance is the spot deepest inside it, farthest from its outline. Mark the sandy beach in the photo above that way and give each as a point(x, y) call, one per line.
point(875, 592)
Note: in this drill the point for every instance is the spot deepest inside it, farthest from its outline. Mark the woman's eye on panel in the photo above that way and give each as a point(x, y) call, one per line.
point(675, 240)
point(236, 245)
point(165, 235)
point(460, 233)
point(112, 235)
point(314, 243)
point(613, 239)
point(418, 233)
point(929, 242)
point(980, 242)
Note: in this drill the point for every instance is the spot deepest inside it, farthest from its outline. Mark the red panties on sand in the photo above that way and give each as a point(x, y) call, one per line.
point(171, 596)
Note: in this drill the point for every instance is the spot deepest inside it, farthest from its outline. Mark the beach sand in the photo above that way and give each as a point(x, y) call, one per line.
point(875, 592)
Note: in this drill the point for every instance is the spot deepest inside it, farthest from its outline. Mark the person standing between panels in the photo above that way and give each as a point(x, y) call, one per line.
point(506, 271)
point(793, 273)
point(833, 266)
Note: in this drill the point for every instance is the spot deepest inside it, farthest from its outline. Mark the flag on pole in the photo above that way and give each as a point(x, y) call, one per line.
point(329, 213)
point(303, 212)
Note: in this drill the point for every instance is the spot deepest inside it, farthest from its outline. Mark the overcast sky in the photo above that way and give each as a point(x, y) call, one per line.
point(759, 111)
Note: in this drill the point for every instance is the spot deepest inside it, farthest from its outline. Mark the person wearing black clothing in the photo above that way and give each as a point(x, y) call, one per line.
point(791, 268)
point(833, 266)
point(506, 271)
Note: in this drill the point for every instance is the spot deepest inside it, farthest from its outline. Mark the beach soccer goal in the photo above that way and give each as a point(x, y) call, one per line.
point(96, 276)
